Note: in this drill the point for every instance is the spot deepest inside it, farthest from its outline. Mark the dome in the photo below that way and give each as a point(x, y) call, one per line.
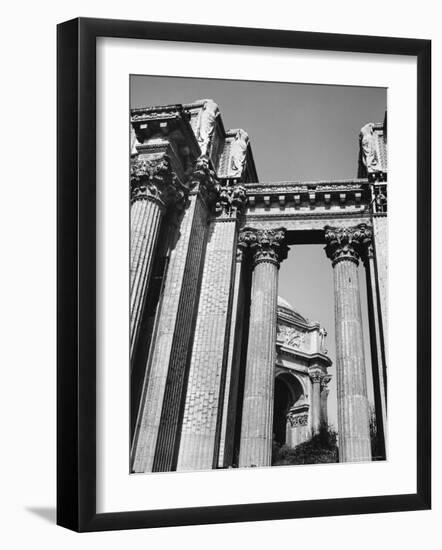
point(290, 310)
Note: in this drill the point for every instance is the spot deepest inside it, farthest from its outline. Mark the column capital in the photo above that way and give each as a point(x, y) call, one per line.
point(153, 179)
point(266, 245)
point(203, 180)
point(347, 243)
point(316, 376)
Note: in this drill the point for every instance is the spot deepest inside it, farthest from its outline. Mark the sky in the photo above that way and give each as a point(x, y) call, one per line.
point(298, 132)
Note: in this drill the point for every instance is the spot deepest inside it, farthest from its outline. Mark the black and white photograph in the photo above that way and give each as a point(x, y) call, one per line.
point(221, 251)
point(258, 274)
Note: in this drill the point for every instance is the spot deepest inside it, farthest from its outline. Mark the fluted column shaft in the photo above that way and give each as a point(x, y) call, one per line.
point(145, 222)
point(205, 396)
point(378, 358)
point(225, 457)
point(153, 187)
point(324, 400)
point(257, 414)
point(154, 447)
point(316, 402)
point(343, 247)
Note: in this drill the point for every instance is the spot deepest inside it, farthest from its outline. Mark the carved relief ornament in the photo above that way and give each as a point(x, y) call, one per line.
point(316, 377)
point(266, 245)
point(231, 199)
point(347, 243)
point(203, 180)
point(296, 420)
point(291, 336)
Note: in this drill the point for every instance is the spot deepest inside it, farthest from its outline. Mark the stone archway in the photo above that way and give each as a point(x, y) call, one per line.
point(288, 391)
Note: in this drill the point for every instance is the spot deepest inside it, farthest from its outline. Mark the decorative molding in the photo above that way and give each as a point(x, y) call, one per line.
point(296, 216)
point(297, 420)
point(347, 243)
point(266, 245)
point(301, 187)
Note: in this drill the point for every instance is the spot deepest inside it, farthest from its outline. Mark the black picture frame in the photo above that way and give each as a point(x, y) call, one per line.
point(76, 274)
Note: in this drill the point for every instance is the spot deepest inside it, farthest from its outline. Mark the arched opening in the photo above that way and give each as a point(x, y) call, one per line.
point(287, 391)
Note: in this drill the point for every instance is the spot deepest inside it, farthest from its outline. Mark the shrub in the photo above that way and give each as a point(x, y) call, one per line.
point(321, 448)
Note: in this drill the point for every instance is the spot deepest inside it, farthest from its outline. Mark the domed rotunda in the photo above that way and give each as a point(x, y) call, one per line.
point(301, 377)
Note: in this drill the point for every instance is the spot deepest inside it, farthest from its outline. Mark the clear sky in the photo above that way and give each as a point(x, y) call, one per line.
point(298, 132)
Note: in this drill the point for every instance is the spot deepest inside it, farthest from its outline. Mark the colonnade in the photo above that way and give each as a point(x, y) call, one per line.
point(184, 413)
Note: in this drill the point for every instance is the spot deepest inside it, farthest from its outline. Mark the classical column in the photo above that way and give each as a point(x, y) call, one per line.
point(316, 377)
point(153, 187)
point(344, 248)
point(226, 445)
point(202, 418)
point(154, 446)
point(378, 358)
point(324, 398)
point(268, 249)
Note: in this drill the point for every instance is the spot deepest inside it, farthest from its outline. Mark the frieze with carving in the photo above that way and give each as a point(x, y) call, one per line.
point(297, 420)
point(291, 188)
point(290, 336)
point(144, 115)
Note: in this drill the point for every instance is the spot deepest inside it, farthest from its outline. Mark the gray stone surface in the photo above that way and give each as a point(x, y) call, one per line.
point(344, 248)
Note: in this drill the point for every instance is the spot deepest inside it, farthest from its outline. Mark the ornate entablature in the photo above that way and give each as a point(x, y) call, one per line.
point(196, 129)
point(325, 194)
point(193, 139)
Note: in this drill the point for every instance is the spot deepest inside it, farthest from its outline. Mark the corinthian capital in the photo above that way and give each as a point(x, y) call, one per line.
point(203, 180)
point(347, 243)
point(316, 376)
point(153, 179)
point(266, 245)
